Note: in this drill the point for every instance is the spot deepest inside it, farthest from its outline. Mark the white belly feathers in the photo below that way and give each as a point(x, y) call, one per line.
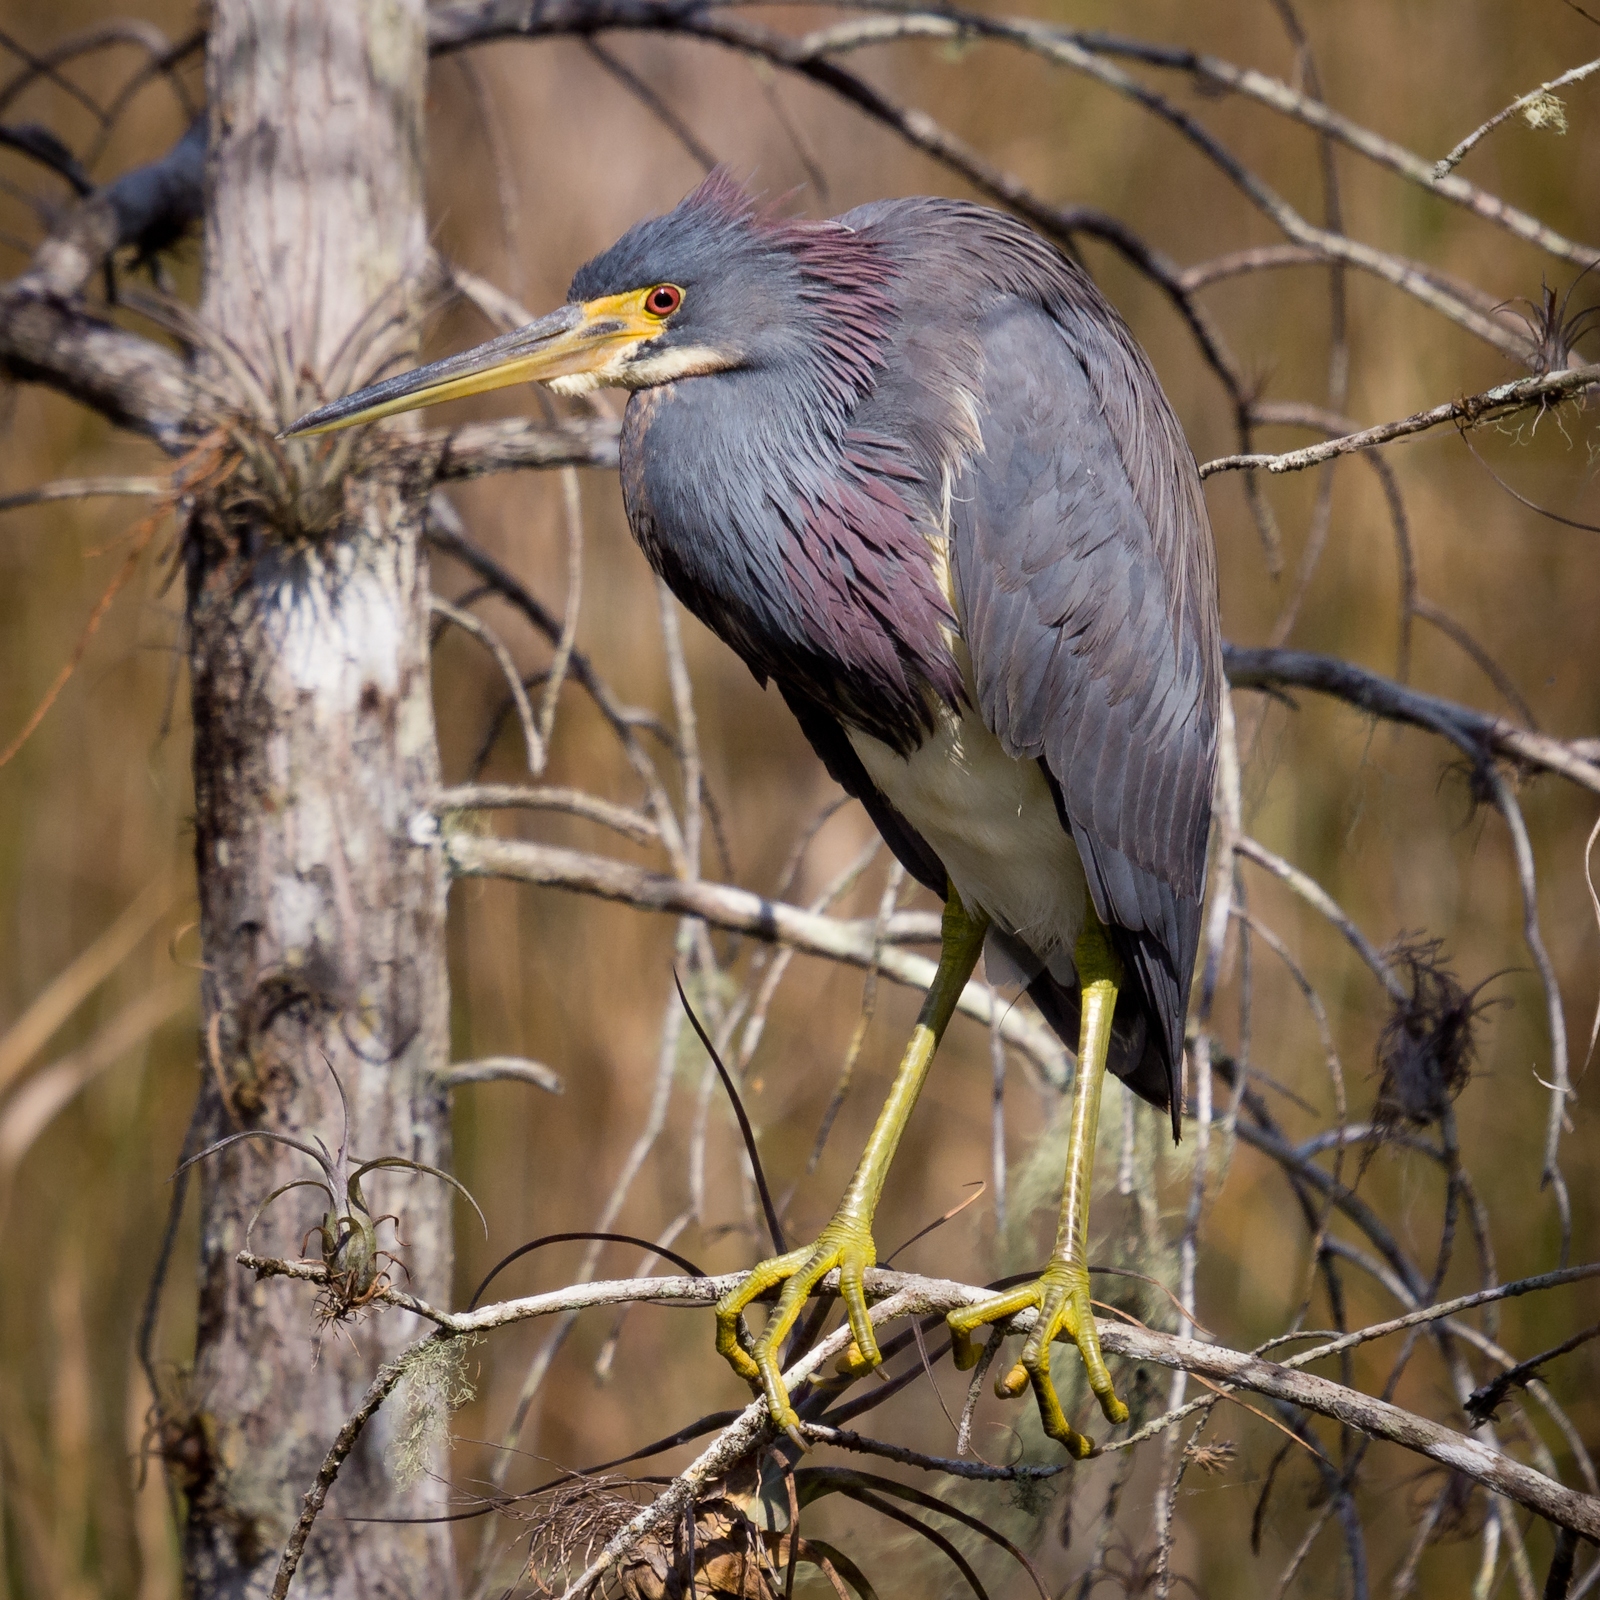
point(993, 822)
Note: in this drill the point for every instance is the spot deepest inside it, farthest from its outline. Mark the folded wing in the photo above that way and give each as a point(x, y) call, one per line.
point(1085, 580)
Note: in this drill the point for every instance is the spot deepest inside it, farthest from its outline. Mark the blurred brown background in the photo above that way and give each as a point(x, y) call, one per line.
point(538, 158)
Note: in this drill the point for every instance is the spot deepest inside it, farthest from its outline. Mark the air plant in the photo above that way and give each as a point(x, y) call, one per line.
point(356, 1266)
point(1553, 335)
point(298, 485)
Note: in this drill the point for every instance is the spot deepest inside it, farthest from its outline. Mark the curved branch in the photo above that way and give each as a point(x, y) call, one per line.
point(502, 1069)
point(453, 27)
point(534, 749)
point(1475, 731)
point(148, 206)
point(633, 824)
point(1491, 404)
point(903, 1294)
point(136, 488)
point(379, 1390)
point(741, 911)
point(122, 30)
point(46, 337)
point(1318, 898)
point(1214, 73)
point(1525, 103)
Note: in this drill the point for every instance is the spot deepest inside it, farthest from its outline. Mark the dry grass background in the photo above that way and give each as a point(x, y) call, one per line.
point(95, 807)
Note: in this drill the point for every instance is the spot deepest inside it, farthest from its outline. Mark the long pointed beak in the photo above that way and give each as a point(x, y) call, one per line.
point(576, 339)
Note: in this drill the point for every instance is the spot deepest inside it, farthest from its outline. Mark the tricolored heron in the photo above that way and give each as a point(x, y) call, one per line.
point(916, 471)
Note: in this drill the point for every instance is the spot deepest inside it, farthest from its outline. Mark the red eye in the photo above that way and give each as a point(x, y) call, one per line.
point(663, 300)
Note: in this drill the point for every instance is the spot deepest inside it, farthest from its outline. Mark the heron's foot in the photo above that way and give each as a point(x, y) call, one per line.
point(846, 1243)
point(1061, 1296)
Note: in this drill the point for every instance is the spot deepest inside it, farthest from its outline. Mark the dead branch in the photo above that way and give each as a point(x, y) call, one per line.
point(161, 61)
point(1524, 103)
point(920, 130)
point(45, 337)
point(1559, 1083)
point(132, 382)
point(478, 21)
point(658, 108)
point(148, 207)
point(741, 911)
point(379, 1390)
point(979, 1471)
point(41, 145)
point(46, 334)
point(133, 31)
point(1214, 73)
point(1484, 1401)
point(1257, 258)
point(1318, 898)
point(87, 489)
point(1315, 114)
point(1500, 401)
point(502, 1069)
point(507, 796)
point(911, 1295)
point(1477, 732)
point(533, 745)
point(1438, 617)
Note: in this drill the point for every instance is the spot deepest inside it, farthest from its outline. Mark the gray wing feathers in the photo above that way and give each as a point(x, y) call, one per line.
point(1084, 577)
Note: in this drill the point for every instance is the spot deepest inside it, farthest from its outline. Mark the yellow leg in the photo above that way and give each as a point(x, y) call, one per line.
point(1061, 1293)
point(846, 1242)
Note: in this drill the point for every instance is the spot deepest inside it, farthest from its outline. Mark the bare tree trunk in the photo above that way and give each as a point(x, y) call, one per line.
point(322, 921)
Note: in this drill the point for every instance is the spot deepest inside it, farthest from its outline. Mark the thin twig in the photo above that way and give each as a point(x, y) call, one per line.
point(1560, 1084)
point(379, 1390)
point(1523, 103)
point(844, 1439)
point(1211, 72)
point(492, 642)
point(653, 103)
point(1320, 901)
point(572, 505)
point(1500, 401)
point(1438, 617)
point(575, 802)
point(1483, 1401)
point(88, 489)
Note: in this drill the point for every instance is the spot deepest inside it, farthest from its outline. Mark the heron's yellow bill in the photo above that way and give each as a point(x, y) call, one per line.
point(591, 339)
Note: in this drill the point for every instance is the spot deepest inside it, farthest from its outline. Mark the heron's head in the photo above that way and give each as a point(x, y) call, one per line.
point(711, 286)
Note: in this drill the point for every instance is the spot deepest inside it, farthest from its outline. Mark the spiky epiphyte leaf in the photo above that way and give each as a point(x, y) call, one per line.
point(348, 1230)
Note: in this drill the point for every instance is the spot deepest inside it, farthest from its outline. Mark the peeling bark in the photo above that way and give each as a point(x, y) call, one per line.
point(322, 920)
